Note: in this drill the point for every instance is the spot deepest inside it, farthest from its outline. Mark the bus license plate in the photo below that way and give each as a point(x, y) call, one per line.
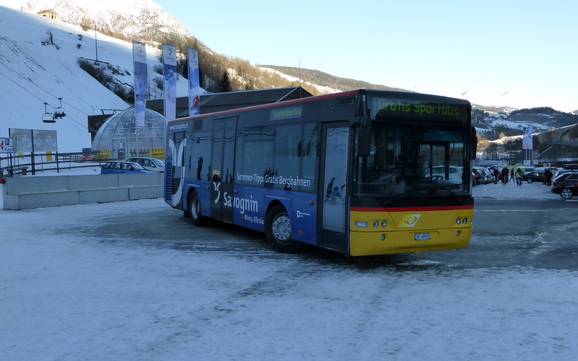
point(422, 237)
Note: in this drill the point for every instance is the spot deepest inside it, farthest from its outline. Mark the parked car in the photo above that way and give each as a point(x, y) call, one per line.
point(566, 169)
point(569, 192)
point(493, 178)
point(528, 169)
point(535, 176)
point(151, 164)
point(455, 173)
point(564, 181)
point(476, 177)
point(485, 176)
point(122, 167)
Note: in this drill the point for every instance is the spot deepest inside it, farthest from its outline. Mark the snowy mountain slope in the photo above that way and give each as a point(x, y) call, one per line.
point(131, 18)
point(321, 89)
point(32, 73)
point(559, 143)
point(495, 124)
point(327, 83)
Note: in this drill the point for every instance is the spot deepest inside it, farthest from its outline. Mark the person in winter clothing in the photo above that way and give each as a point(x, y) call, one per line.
point(548, 176)
point(505, 175)
point(519, 177)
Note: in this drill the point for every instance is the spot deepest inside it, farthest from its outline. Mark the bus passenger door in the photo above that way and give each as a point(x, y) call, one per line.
point(333, 185)
point(222, 172)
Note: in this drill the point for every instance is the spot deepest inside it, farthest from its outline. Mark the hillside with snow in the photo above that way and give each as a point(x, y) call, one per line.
point(324, 82)
point(131, 18)
point(496, 123)
point(39, 62)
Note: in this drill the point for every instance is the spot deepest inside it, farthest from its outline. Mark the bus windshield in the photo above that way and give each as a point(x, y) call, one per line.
point(414, 159)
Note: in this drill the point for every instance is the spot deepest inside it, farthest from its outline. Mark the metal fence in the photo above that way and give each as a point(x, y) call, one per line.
point(30, 164)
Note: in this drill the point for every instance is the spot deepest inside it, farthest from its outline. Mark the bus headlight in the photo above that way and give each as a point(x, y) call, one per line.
point(383, 224)
point(361, 224)
point(375, 224)
point(465, 220)
point(458, 220)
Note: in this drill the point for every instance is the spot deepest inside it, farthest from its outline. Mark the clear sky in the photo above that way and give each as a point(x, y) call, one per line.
point(516, 53)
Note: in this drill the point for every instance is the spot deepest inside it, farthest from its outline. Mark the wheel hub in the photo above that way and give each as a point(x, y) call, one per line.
point(281, 228)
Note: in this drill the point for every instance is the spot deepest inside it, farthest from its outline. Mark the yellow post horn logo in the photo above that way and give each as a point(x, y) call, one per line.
point(410, 220)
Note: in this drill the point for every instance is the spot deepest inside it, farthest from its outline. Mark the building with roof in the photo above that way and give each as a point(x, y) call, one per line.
point(216, 102)
point(49, 13)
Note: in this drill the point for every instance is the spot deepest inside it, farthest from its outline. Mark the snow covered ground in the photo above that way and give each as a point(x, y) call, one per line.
point(511, 191)
point(135, 281)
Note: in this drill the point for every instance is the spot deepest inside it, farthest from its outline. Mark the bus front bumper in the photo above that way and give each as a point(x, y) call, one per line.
point(398, 242)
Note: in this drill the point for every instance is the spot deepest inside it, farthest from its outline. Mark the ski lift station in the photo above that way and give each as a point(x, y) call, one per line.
point(120, 137)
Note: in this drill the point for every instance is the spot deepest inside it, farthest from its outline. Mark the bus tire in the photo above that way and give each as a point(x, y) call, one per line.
point(278, 231)
point(194, 211)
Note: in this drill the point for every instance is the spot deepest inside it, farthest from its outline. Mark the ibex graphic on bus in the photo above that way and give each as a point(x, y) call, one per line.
point(177, 152)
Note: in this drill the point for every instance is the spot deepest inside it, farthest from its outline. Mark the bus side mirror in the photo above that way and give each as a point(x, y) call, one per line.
point(364, 141)
point(474, 143)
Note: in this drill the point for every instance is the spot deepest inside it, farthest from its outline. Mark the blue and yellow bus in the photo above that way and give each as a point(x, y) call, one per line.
point(362, 172)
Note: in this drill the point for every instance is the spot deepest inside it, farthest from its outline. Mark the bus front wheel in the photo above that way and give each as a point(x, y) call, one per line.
point(278, 231)
point(194, 211)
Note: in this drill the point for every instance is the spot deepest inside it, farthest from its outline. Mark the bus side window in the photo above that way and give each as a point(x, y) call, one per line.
point(200, 156)
point(309, 153)
point(287, 160)
point(254, 154)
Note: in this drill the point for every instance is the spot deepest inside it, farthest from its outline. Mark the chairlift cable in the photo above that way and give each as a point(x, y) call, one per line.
point(42, 100)
point(54, 96)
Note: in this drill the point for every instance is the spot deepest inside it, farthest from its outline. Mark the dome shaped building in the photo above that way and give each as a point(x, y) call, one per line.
point(120, 138)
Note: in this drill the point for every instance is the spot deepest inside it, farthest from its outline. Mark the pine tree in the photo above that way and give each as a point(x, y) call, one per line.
point(226, 83)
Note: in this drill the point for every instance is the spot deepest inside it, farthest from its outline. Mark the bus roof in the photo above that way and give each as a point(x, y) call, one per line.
point(313, 99)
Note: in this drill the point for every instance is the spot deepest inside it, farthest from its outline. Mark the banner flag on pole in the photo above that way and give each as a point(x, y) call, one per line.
point(527, 141)
point(140, 81)
point(194, 82)
point(170, 81)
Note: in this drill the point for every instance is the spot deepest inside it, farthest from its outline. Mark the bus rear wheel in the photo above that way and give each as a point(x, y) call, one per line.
point(278, 231)
point(194, 211)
